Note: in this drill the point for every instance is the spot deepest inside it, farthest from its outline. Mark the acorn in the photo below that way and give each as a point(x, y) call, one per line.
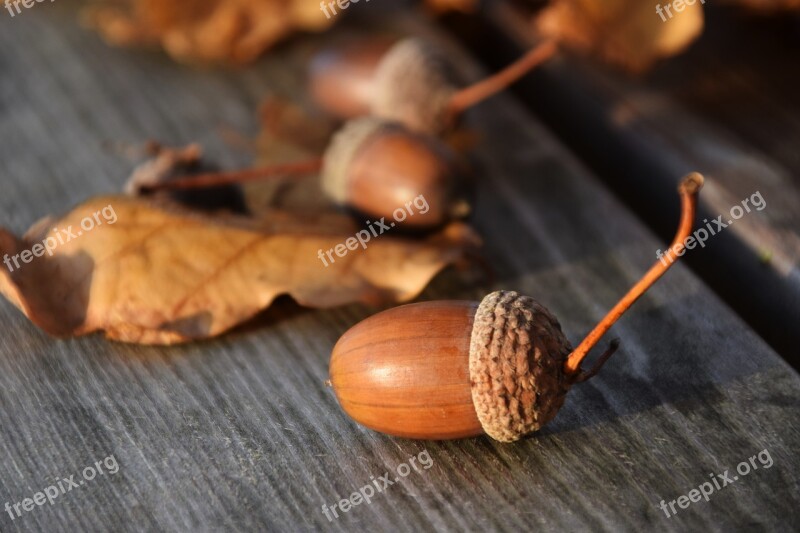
point(414, 83)
point(376, 167)
point(446, 370)
point(343, 78)
point(453, 369)
point(373, 166)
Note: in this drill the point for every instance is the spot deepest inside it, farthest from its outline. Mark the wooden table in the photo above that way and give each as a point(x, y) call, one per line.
point(240, 433)
point(726, 108)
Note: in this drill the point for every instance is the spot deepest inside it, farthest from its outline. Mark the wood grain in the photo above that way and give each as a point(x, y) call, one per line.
point(240, 433)
point(724, 108)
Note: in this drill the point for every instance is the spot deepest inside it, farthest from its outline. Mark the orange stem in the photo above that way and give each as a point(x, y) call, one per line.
point(689, 188)
point(216, 179)
point(474, 94)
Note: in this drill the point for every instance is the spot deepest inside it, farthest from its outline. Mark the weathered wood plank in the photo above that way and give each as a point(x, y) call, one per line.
point(641, 135)
point(241, 434)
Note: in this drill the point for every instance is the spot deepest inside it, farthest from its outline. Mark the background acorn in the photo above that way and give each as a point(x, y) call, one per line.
point(443, 370)
point(373, 166)
point(414, 82)
point(342, 78)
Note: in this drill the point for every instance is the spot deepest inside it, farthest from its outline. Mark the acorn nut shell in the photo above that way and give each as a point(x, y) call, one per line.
point(453, 369)
point(342, 79)
point(378, 167)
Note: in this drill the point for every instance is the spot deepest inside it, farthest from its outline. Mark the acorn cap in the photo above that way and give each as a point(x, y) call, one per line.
point(516, 361)
point(341, 151)
point(414, 83)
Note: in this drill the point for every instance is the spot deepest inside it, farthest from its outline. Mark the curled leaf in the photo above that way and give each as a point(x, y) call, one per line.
point(158, 274)
point(629, 33)
point(163, 164)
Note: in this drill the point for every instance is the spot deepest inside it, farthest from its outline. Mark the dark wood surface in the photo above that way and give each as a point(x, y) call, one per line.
point(726, 108)
point(241, 434)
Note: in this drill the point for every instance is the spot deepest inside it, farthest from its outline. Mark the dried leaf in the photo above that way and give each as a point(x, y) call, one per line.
point(626, 32)
point(208, 31)
point(162, 275)
point(163, 164)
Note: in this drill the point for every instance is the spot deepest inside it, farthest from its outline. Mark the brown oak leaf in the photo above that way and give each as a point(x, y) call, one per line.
point(156, 273)
point(206, 31)
point(629, 33)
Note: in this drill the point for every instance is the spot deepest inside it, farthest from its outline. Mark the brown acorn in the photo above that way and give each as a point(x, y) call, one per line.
point(445, 370)
point(414, 83)
point(373, 166)
point(376, 167)
point(342, 79)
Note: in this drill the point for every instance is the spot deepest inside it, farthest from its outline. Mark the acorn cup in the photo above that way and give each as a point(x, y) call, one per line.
point(372, 166)
point(413, 82)
point(454, 369)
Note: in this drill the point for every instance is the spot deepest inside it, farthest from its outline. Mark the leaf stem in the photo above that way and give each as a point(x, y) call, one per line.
point(216, 179)
point(689, 188)
point(474, 94)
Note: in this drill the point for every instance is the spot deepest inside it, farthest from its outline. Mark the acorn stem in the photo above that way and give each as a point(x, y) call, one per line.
point(611, 350)
point(474, 94)
point(216, 179)
point(689, 188)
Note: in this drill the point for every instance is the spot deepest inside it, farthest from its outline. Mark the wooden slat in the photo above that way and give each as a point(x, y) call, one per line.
point(241, 434)
point(711, 110)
